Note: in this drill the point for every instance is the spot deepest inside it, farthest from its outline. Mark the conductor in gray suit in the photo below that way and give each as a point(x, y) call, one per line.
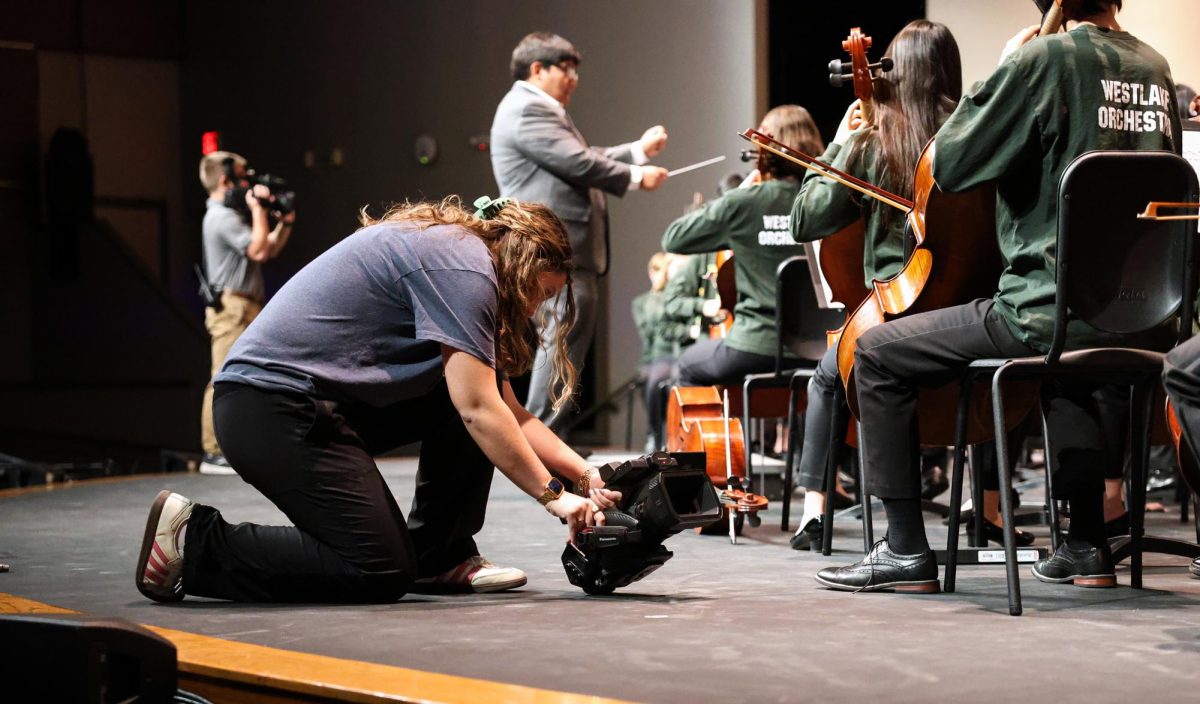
point(538, 155)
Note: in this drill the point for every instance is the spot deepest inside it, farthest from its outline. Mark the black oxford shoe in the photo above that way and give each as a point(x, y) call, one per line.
point(1078, 563)
point(884, 570)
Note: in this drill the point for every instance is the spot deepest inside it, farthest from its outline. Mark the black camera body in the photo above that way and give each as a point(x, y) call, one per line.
point(661, 494)
point(282, 200)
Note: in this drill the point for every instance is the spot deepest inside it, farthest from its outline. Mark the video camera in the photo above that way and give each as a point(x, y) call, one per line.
point(661, 494)
point(282, 200)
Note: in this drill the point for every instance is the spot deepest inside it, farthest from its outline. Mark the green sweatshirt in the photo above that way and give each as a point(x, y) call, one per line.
point(825, 206)
point(1052, 100)
point(647, 312)
point(683, 303)
point(753, 222)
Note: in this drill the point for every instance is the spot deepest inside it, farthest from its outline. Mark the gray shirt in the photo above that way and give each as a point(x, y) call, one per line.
point(365, 321)
point(226, 237)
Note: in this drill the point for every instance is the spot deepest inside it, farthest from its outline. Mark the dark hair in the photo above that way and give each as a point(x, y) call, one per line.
point(1094, 7)
point(1184, 95)
point(729, 182)
point(544, 47)
point(794, 126)
point(1078, 8)
point(914, 99)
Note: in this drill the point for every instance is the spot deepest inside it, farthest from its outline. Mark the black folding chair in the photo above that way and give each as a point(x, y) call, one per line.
point(800, 326)
point(1120, 274)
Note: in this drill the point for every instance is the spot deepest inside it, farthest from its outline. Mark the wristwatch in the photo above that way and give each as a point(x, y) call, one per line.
point(553, 490)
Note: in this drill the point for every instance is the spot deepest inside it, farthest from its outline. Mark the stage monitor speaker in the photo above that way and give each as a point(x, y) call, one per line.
point(67, 658)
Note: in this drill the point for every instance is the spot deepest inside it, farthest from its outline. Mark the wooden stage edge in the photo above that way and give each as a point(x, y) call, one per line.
point(226, 671)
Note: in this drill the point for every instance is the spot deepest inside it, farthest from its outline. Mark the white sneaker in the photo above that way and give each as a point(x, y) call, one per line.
point(475, 574)
point(216, 464)
point(159, 572)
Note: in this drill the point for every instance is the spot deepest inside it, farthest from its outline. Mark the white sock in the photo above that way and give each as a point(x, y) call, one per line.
point(814, 507)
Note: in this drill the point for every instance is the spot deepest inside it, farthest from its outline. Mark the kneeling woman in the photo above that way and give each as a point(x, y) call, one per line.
point(402, 332)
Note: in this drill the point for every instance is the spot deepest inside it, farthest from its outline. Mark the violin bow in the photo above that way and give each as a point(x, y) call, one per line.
point(729, 472)
point(796, 156)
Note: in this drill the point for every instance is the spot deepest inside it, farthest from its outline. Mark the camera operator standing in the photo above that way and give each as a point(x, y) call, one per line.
point(238, 238)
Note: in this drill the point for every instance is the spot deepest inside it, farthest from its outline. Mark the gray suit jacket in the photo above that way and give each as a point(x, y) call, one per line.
point(538, 155)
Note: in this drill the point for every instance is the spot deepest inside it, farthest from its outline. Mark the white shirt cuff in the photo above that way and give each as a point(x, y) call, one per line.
point(639, 156)
point(635, 177)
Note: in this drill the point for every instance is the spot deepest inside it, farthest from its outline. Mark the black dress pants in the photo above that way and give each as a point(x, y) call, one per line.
point(714, 363)
point(894, 360)
point(350, 542)
point(1181, 377)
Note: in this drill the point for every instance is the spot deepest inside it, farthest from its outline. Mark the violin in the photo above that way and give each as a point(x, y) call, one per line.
point(698, 420)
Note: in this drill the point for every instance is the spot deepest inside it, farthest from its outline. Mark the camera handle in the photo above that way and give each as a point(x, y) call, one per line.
point(209, 293)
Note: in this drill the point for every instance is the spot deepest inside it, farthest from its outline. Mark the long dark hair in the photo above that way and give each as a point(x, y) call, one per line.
point(914, 99)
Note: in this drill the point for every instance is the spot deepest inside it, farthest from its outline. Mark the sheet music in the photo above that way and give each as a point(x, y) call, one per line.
point(812, 252)
point(1191, 148)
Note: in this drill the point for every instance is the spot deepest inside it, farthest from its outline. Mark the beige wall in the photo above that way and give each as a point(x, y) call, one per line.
point(129, 111)
point(983, 26)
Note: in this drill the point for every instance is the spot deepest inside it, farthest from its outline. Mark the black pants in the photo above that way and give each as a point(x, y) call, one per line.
point(313, 459)
point(823, 411)
point(1181, 377)
point(713, 363)
point(931, 349)
point(660, 370)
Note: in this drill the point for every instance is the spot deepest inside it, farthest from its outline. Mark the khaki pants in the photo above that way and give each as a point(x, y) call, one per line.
point(224, 328)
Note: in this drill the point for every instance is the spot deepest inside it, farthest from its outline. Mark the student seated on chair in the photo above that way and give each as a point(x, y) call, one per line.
point(913, 99)
point(753, 222)
point(1050, 100)
point(402, 332)
point(1181, 377)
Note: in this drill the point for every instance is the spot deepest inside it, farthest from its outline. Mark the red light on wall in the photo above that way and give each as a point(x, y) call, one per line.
point(210, 142)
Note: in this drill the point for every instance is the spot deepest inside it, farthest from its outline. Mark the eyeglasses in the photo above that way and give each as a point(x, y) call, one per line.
point(570, 69)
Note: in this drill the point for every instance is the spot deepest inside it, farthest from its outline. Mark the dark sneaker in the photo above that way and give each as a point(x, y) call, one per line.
point(159, 569)
point(885, 570)
point(809, 535)
point(216, 464)
point(1078, 563)
point(1194, 568)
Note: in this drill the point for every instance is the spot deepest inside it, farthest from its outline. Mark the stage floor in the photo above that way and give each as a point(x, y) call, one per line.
point(719, 622)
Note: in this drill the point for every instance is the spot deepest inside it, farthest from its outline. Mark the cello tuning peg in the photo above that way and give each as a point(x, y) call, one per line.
point(837, 80)
point(886, 64)
point(835, 66)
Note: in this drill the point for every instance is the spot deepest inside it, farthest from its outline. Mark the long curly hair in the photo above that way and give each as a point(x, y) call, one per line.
point(525, 240)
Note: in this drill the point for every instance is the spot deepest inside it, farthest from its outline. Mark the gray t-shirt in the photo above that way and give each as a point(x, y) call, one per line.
point(226, 237)
point(364, 322)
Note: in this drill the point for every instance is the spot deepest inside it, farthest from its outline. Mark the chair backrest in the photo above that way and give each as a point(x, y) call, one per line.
point(1114, 271)
point(800, 322)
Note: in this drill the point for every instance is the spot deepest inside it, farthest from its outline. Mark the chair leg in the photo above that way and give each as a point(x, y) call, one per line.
point(836, 437)
point(864, 497)
point(630, 392)
point(1006, 507)
point(748, 440)
point(956, 483)
point(795, 439)
point(1140, 457)
point(1051, 503)
point(976, 528)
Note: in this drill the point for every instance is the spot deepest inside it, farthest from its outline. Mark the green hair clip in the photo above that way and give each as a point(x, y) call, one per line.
point(486, 207)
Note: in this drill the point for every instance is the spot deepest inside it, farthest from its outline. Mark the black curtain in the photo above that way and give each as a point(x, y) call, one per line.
point(805, 36)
